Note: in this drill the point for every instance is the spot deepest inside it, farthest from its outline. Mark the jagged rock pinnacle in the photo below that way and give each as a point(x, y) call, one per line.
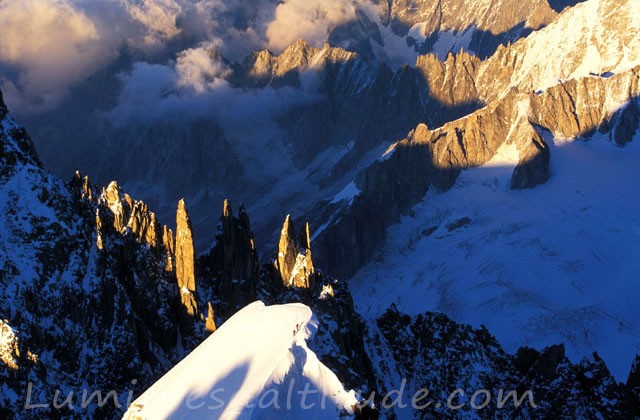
point(184, 250)
point(111, 196)
point(170, 247)
point(293, 261)
point(287, 250)
point(185, 260)
point(82, 186)
point(210, 323)
point(233, 259)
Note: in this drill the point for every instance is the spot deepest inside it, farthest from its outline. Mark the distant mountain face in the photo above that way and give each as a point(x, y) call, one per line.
point(477, 26)
point(491, 186)
point(521, 91)
point(204, 140)
point(148, 125)
point(421, 222)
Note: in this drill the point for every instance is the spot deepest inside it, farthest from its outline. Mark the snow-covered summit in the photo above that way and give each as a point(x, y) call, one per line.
point(594, 37)
point(256, 365)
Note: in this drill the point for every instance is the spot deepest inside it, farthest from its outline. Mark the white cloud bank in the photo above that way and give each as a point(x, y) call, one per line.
point(311, 20)
point(50, 45)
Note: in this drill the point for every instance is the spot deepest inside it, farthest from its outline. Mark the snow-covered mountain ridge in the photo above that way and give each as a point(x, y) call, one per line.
point(258, 352)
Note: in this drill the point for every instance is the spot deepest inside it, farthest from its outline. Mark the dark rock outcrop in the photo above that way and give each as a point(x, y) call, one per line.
point(432, 352)
point(16, 147)
point(232, 262)
point(228, 282)
point(633, 385)
point(534, 165)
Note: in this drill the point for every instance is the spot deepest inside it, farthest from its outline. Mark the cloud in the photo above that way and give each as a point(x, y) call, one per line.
point(200, 68)
point(237, 25)
point(192, 88)
point(158, 16)
point(48, 45)
point(311, 20)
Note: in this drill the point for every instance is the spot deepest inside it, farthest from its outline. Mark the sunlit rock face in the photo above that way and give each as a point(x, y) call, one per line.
point(185, 260)
point(478, 26)
point(293, 260)
point(580, 107)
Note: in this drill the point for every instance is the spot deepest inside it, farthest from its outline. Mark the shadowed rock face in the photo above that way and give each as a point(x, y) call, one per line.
point(235, 248)
point(560, 5)
point(16, 147)
point(533, 168)
point(431, 351)
point(633, 384)
point(233, 260)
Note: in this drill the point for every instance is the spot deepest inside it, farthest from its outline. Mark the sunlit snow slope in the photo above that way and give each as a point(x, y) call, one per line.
point(556, 264)
point(257, 365)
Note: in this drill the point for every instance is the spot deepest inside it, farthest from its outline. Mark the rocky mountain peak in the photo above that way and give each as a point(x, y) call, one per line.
point(185, 259)
point(293, 260)
point(233, 261)
point(82, 186)
point(133, 216)
point(184, 249)
point(210, 323)
point(112, 198)
point(264, 67)
point(144, 225)
point(226, 209)
point(16, 147)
